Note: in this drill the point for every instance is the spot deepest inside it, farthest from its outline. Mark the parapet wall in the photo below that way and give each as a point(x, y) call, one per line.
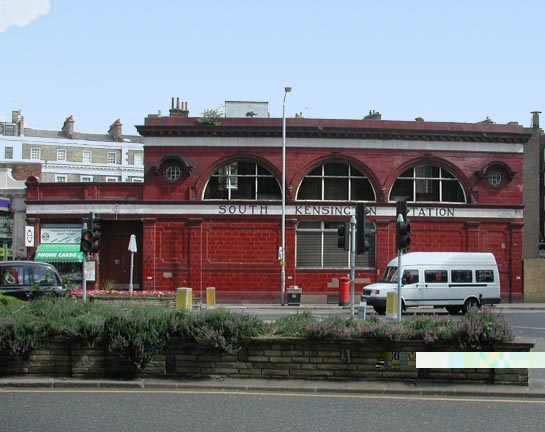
point(342, 359)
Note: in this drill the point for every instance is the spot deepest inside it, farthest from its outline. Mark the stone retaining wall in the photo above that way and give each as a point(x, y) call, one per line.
point(265, 358)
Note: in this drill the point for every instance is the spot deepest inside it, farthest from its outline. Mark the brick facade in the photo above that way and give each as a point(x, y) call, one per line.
point(233, 244)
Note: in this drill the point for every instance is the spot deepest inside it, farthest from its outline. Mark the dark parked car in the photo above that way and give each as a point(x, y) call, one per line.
point(27, 280)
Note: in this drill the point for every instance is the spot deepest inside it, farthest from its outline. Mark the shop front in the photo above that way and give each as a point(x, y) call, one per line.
point(60, 246)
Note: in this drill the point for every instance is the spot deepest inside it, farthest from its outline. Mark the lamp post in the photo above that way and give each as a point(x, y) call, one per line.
point(282, 254)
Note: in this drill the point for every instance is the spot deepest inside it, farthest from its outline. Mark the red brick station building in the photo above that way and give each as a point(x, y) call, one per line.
point(209, 211)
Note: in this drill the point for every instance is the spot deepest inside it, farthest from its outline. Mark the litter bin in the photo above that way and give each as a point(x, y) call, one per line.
point(344, 291)
point(294, 295)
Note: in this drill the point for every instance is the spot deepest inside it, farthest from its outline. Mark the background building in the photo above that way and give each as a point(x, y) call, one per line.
point(70, 156)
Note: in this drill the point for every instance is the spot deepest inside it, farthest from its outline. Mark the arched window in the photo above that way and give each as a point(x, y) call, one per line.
point(242, 181)
point(336, 182)
point(427, 183)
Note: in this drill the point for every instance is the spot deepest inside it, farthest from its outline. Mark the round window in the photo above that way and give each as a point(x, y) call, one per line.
point(494, 177)
point(173, 172)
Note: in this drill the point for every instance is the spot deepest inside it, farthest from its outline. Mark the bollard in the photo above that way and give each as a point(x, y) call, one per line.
point(210, 297)
point(184, 298)
point(362, 311)
point(391, 305)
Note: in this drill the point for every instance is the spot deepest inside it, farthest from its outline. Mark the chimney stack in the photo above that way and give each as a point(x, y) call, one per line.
point(18, 119)
point(535, 119)
point(179, 111)
point(116, 131)
point(15, 116)
point(68, 127)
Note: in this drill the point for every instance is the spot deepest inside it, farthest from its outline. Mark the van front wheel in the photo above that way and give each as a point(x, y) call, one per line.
point(471, 304)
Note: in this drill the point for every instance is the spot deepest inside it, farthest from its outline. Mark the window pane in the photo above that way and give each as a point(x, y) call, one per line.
point(452, 191)
point(334, 257)
point(362, 190)
point(336, 189)
point(435, 276)
point(245, 188)
point(309, 249)
point(402, 189)
point(268, 188)
point(336, 169)
point(262, 171)
point(446, 174)
point(246, 168)
point(426, 171)
point(311, 189)
point(316, 171)
point(484, 275)
point(214, 191)
point(461, 276)
point(355, 172)
point(427, 190)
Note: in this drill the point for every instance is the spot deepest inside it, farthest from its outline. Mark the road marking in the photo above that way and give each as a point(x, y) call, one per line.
point(274, 393)
point(529, 328)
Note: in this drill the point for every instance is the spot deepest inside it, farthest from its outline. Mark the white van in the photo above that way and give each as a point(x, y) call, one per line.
point(458, 281)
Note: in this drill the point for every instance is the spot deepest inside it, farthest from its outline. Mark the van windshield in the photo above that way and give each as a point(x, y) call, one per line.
point(390, 275)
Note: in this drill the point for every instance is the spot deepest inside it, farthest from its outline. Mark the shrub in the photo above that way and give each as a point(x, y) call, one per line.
point(479, 329)
point(331, 327)
point(20, 330)
point(137, 334)
point(292, 325)
point(5, 299)
point(219, 329)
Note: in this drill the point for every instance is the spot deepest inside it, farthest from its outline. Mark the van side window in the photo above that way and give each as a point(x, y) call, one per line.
point(435, 276)
point(484, 275)
point(410, 277)
point(461, 276)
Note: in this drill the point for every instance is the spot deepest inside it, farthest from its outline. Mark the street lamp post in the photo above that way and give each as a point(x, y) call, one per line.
point(282, 254)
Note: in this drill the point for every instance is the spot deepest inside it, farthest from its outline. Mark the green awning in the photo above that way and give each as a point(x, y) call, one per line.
point(58, 253)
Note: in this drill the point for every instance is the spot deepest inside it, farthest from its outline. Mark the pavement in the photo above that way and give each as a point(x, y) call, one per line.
point(534, 390)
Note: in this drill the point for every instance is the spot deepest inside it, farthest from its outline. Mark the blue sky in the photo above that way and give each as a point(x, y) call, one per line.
point(106, 59)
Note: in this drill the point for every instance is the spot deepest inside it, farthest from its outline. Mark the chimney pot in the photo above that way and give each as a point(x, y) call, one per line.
point(116, 130)
point(68, 127)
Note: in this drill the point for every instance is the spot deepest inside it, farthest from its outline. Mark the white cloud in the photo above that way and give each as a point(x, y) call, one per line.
point(21, 12)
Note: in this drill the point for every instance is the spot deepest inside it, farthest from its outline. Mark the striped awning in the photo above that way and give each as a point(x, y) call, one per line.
point(58, 253)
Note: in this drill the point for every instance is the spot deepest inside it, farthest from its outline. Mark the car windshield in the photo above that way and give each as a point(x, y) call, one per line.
point(390, 275)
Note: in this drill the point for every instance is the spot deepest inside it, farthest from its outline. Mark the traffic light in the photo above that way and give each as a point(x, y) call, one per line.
point(403, 227)
point(363, 232)
point(86, 242)
point(343, 232)
point(95, 228)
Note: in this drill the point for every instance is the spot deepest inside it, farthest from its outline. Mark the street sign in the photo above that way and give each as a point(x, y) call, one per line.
point(29, 236)
point(132, 244)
